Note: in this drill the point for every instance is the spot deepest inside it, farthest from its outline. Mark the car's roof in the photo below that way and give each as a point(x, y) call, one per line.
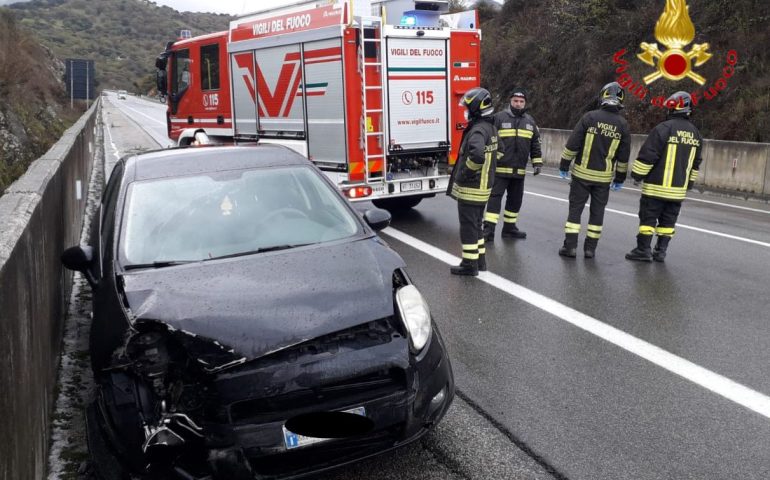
point(175, 162)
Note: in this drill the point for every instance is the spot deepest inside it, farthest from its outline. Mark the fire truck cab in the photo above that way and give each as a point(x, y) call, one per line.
point(367, 90)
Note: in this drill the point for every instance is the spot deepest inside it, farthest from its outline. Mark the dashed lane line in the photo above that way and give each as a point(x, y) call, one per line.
point(143, 114)
point(115, 150)
point(691, 199)
point(678, 225)
point(161, 140)
point(723, 386)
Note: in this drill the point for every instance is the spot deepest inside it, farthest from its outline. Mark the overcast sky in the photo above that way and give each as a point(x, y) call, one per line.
point(233, 7)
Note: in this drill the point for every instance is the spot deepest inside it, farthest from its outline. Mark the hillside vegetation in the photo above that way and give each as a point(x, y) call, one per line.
point(122, 36)
point(562, 51)
point(31, 117)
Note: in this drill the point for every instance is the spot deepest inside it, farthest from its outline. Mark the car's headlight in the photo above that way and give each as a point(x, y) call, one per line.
point(415, 315)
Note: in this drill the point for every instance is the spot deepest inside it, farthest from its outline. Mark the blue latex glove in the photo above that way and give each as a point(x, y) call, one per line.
point(564, 174)
point(616, 186)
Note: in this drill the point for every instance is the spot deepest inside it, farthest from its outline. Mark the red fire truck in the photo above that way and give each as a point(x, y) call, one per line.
point(372, 100)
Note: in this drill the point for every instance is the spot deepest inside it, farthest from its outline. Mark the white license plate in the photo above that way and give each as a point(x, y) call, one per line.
point(293, 440)
point(411, 186)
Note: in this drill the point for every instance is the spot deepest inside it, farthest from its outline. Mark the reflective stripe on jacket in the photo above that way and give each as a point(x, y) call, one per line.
point(600, 145)
point(474, 172)
point(519, 140)
point(669, 159)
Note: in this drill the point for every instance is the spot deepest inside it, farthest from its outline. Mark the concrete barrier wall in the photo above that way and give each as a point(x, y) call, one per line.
point(737, 167)
point(40, 215)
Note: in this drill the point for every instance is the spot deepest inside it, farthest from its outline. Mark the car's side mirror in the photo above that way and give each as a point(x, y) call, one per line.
point(80, 259)
point(377, 218)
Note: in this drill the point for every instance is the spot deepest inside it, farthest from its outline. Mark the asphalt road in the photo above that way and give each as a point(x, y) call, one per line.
point(586, 401)
point(588, 369)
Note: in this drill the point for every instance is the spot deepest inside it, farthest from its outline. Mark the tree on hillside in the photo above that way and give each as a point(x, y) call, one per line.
point(456, 6)
point(487, 10)
point(30, 92)
point(123, 46)
point(562, 51)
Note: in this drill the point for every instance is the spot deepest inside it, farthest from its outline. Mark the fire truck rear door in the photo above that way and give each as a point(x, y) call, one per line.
point(417, 92)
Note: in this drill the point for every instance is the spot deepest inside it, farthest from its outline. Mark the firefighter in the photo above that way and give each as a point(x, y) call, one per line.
point(668, 164)
point(520, 139)
point(473, 177)
point(599, 145)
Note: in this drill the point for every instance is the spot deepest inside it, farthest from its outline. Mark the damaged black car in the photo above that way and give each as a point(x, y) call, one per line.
point(248, 323)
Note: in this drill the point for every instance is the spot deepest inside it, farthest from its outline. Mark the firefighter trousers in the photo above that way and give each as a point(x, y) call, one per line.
point(515, 189)
point(471, 236)
point(579, 192)
point(658, 216)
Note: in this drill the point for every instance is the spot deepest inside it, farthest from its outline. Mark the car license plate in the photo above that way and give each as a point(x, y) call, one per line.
point(411, 186)
point(293, 440)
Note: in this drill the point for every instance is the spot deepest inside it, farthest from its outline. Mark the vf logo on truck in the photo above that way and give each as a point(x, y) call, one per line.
point(277, 100)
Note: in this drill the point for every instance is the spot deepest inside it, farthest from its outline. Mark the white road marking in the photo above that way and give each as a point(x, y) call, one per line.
point(689, 199)
point(707, 379)
point(678, 225)
point(163, 141)
point(144, 115)
point(112, 143)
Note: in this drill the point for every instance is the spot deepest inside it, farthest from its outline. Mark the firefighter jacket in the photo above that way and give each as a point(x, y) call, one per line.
point(599, 145)
point(519, 140)
point(474, 171)
point(669, 160)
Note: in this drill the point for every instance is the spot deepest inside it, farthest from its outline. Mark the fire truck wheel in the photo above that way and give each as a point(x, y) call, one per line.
point(395, 204)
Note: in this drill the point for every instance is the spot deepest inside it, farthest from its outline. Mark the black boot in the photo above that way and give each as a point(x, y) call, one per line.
point(589, 247)
point(489, 231)
point(642, 252)
point(510, 230)
point(482, 262)
point(570, 245)
point(659, 254)
point(466, 267)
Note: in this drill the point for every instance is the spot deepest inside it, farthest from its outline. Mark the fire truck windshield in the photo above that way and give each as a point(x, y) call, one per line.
point(181, 71)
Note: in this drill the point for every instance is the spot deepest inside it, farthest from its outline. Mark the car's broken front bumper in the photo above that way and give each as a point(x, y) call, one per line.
point(402, 394)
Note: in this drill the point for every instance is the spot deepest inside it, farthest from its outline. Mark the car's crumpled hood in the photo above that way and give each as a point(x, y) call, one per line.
point(262, 303)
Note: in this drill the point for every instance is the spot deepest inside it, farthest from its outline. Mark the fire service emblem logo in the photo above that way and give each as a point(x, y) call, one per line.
point(675, 30)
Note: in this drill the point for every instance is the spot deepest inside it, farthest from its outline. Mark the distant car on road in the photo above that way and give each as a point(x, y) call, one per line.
point(249, 323)
point(122, 94)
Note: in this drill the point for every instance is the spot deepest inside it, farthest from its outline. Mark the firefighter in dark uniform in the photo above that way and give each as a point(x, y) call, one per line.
point(520, 141)
point(668, 164)
point(599, 145)
point(472, 178)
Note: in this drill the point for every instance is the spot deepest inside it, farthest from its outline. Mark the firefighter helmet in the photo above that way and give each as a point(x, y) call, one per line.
point(478, 101)
point(612, 94)
point(679, 104)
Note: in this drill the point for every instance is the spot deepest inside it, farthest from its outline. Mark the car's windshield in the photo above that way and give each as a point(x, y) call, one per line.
point(202, 217)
